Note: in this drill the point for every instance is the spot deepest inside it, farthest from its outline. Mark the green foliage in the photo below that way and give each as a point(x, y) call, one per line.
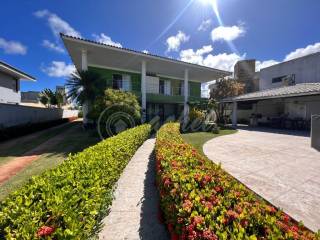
point(68, 202)
point(116, 101)
point(196, 114)
point(84, 86)
point(50, 98)
point(201, 201)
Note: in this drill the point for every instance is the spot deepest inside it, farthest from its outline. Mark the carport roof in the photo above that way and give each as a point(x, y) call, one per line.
point(107, 56)
point(302, 89)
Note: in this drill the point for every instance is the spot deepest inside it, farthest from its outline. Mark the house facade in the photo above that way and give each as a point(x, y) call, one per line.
point(10, 78)
point(165, 87)
point(289, 95)
point(300, 70)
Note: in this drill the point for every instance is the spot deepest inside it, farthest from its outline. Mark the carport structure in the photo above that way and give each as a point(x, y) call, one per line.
point(286, 105)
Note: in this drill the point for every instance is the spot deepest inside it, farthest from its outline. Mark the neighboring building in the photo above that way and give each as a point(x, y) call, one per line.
point(245, 72)
point(300, 70)
point(164, 86)
point(289, 95)
point(10, 83)
point(30, 97)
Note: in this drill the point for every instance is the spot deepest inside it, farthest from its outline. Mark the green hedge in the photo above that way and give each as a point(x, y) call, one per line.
point(201, 201)
point(68, 202)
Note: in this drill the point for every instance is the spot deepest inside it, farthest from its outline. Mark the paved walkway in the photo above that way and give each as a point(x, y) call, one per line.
point(280, 167)
point(134, 211)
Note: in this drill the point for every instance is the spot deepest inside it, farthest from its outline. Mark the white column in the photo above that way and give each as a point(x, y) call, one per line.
point(143, 90)
point(84, 67)
point(234, 114)
point(186, 93)
point(84, 60)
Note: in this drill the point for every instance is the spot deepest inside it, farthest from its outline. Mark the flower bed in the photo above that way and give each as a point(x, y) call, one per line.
point(201, 201)
point(68, 202)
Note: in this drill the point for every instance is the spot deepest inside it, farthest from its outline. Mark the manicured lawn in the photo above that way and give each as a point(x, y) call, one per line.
point(75, 140)
point(198, 139)
point(17, 147)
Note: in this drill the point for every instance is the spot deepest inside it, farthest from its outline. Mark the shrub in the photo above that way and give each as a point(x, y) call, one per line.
point(68, 202)
point(116, 101)
point(201, 201)
point(196, 114)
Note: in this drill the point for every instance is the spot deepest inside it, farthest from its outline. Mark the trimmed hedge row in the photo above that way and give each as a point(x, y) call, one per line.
point(201, 201)
point(68, 202)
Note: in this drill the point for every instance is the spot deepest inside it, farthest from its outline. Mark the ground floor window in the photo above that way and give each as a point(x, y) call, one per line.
point(121, 82)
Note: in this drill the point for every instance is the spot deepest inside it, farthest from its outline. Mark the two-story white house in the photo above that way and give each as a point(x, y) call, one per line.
point(10, 78)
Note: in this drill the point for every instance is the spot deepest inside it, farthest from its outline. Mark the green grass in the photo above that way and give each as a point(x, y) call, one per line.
point(75, 140)
point(198, 139)
point(17, 147)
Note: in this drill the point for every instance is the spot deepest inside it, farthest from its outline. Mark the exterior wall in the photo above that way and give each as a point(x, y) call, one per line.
point(8, 89)
point(13, 115)
point(244, 72)
point(297, 107)
point(315, 132)
point(305, 69)
point(194, 87)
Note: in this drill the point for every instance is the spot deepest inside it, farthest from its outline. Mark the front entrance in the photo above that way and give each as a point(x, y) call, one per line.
point(162, 110)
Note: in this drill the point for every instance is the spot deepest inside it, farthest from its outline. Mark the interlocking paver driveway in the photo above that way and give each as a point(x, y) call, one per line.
point(281, 167)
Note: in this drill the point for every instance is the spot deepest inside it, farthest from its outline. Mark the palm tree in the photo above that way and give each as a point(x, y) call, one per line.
point(47, 97)
point(83, 88)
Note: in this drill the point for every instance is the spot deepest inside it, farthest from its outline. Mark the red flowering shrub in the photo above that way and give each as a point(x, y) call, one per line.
point(201, 201)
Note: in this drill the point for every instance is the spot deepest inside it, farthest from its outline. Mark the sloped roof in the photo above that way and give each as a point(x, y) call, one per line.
point(5, 67)
point(108, 56)
point(302, 89)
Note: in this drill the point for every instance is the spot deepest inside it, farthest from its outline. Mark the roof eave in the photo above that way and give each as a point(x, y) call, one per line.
point(16, 72)
point(137, 53)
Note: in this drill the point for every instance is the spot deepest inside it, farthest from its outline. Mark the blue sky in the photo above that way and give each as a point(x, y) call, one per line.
point(269, 31)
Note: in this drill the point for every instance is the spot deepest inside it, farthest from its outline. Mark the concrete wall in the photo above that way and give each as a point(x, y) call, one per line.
point(13, 115)
point(306, 70)
point(8, 89)
point(315, 132)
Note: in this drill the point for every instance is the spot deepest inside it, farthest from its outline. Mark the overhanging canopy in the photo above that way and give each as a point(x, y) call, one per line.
point(102, 55)
point(298, 90)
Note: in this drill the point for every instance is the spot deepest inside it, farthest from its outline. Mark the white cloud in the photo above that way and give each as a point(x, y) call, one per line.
point(145, 51)
point(227, 33)
point(223, 61)
point(57, 24)
point(12, 47)
point(191, 56)
point(260, 65)
point(204, 26)
point(300, 52)
point(52, 46)
point(106, 40)
point(174, 42)
point(204, 57)
point(59, 69)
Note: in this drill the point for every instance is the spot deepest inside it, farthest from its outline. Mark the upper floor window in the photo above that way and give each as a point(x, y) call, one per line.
point(121, 82)
point(287, 80)
point(278, 79)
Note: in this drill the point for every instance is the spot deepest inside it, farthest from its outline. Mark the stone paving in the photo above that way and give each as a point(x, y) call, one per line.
point(134, 211)
point(281, 167)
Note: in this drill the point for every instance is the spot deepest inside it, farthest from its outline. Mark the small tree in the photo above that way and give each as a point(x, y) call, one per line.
point(117, 101)
point(224, 88)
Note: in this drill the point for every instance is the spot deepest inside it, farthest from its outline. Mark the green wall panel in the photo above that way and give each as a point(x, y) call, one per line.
point(195, 87)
